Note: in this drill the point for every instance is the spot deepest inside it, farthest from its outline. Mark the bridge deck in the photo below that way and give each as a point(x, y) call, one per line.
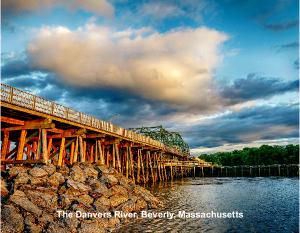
point(36, 130)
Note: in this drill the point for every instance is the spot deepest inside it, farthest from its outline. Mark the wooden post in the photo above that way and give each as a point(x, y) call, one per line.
point(4, 148)
point(101, 153)
point(49, 146)
point(118, 157)
point(171, 171)
point(131, 164)
point(114, 156)
point(72, 153)
point(166, 177)
point(181, 171)
point(81, 158)
point(107, 156)
point(138, 166)
point(151, 168)
point(142, 165)
point(158, 167)
point(38, 150)
point(76, 150)
point(96, 151)
point(84, 151)
point(147, 166)
point(91, 154)
point(127, 162)
point(61, 152)
point(44, 146)
point(21, 144)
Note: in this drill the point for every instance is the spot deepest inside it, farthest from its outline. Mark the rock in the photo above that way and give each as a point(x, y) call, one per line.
point(63, 170)
point(91, 172)
point(89, 226)
point(128, 206)
point(20, 199)
point(4, 190)
point(38, 172)
point(113, 222)
point(49, 168)
point(140, 205)
point(117, 200)
point(31, 226)
point(118, 189)
point(99, 189)
point(85, 200)
point(103, 169)
point(56, 179)
point(71, 223)
point(44, 199)
point(77, 174)
point(109, 180)
point(57, 227)
point(22, 178)
point(15, 170)
point(102, 202)
point(12, 220)
point(38, 181)
point(147, 195)
point(78, 186)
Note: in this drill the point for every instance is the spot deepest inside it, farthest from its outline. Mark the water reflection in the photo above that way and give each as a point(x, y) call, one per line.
point(268, 205)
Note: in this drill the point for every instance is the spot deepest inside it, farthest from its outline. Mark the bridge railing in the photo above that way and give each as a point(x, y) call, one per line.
point(24, 99)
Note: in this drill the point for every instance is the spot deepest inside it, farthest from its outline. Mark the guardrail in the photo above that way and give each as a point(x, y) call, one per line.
point(24, 99)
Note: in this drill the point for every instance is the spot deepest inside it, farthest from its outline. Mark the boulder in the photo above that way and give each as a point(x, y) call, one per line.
point(91, 172)
point(31, 226)
point(15, 170)
point(78, 186)
point(19, 198)
point(12, 220)
point(56, 179)
point(109, 180)
point(85, 200)
point(4, 190)
point(118, 189)
point(49, 168)
point(140, 205)
point(89, 226)
point(22, 178)
point(128, 206)
point(45, 199)
point(118, 199)
point(102, 202)
point(37, 172)
point(77, 174)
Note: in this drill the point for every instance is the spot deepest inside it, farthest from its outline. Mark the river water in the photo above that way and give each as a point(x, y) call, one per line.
point(268, 204)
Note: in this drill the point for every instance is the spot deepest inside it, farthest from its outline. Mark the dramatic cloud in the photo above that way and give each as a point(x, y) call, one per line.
point(173, 67)
point(255, 87)
point(248, 125)
point(99, 7)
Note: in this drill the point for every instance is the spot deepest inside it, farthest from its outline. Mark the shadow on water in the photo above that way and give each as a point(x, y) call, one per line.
point(268, 204)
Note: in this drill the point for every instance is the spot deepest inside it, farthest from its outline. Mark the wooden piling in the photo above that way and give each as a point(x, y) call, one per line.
point(21, 144)
point(61, 152)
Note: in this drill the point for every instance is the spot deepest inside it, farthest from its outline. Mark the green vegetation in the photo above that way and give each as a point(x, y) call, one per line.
point(264, 155)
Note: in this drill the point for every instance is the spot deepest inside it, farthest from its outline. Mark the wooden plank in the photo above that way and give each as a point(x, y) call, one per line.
point(118, 157)
point(49, 147)
point(61, 152)
point(29, 161)
point(11, 120)
point(31, 126)
point(142, 166)
point(131, 164)
point(21, 145)
point(76, 150)
point(81, 152)
point(44, 146)
point(4, 146)
point(138, 166)
point(101, 153)
point(127, 162)
point(151, 168)
point(72, 153)
point(113, 156)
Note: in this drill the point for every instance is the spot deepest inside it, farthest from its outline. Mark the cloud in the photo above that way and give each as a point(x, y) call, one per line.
point(161, 10)
point(292, 45)
point(99, 7)
point(255, 87)
point(173, 67)
point(296, 64)
point(248, 125)
point(282, 26)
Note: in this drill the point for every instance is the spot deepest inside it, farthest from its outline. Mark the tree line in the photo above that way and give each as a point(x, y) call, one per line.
point(263, 155)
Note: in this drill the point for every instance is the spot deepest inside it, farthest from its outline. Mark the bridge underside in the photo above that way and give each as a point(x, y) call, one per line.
point(30, 137)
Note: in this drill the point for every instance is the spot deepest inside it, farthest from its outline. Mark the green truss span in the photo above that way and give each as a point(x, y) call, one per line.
point(159, 133)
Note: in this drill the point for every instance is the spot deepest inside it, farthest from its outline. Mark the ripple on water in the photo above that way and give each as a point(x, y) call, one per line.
point(269, 204)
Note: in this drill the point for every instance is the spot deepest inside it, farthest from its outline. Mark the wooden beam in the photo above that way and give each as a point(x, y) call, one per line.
point(44, 146)
point(4, 146)
point(29, 161)
point(31, 126)
point(72, 153)
point(12, 120)
point(96, 135)
point(21, 145)
point(61, 152)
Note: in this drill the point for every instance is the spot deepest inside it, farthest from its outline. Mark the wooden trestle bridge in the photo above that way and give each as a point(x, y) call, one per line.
point(35, 130)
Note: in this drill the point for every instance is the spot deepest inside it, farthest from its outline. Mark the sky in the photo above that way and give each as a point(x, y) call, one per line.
point(222, 73)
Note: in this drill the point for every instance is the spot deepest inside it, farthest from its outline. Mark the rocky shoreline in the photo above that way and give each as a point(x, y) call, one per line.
point(31, 197)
